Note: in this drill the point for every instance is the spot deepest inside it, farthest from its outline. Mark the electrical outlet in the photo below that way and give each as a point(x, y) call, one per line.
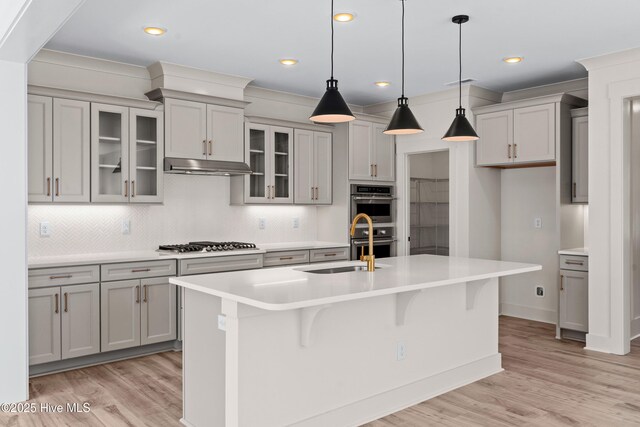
point(296, 222)
point(401, 351)
point(222, 322)
point(262, 223)
point(537, 222)
point(126, 226)
point(45, 229)
point(540, 291)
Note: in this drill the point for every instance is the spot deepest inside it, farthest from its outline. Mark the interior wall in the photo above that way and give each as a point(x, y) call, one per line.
point(635, 217)
point(433, 165)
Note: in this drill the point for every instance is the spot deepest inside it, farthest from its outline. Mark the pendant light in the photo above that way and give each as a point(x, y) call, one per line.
point(461, 129)
point(332, 108)
point(403, 121)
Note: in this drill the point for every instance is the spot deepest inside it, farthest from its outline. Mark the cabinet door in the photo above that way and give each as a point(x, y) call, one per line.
point(185, 129)
point(256, 154)
point(158, 311)
point(304, 182)
point(281, 159)
point(384, 154)
point(80, 306)
point(40, 148)
point(496, 138)
point(534, 133)
point(120, 314)
point(224, 133)
point(146, 154)
point(44, 325)
point(574, 300)
point(110, 180)
point(580, 189)
point(322, 166)
point(360, 152)
point(71, 147)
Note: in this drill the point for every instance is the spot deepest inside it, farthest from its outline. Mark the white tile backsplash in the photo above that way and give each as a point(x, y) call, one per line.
point(195, 208)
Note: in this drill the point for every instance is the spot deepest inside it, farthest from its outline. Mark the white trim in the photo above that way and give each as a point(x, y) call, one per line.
point(529, 313)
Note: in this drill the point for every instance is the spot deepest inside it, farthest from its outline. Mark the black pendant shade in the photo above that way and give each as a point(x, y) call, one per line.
point(403, 121)
point(460, 130)
point(332, 108)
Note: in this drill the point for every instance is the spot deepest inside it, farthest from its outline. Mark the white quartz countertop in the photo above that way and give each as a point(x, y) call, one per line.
point(289, 288)
point(152, 255)
point(575, 251)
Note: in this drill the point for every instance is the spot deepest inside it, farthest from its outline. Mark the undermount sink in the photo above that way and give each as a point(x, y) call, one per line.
point(335, 270)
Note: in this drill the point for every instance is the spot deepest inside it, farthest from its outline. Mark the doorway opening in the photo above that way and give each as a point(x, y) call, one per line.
point(429, 203)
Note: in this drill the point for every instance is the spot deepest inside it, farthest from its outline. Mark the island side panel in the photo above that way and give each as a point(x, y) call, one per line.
point(203, 361)
point(350, 374)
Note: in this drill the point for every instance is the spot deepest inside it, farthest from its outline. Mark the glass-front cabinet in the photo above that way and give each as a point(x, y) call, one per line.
point(268, 151)
point(126, 154)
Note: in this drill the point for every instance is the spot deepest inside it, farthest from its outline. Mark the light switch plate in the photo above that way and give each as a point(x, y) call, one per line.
point(262, 223)
point(296, 222)
point(126, 226)
point(45, 229)
point(537, 222)
point(401, 351)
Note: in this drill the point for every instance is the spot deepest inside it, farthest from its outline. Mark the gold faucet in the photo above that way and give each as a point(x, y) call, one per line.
point(371, 259)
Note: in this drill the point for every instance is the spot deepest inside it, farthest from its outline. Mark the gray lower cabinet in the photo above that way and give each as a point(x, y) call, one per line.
point(64, 322)
point(137, 312)
point(574, 300)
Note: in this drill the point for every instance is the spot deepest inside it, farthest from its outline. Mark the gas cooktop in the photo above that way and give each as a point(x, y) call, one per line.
point(206, 246)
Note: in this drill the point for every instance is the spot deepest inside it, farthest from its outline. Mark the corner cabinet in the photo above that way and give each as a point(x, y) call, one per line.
point(126, 154)
point(313, 167)
point(580, 156)
point(196, 130)
point(522, 133)
point(371, 152)
point(269, 154)
point(58, 150)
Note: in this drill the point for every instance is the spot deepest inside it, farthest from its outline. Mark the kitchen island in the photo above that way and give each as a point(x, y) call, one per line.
point(299, 346)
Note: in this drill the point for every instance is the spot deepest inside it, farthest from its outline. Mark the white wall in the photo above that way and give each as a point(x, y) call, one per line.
point(195, 208)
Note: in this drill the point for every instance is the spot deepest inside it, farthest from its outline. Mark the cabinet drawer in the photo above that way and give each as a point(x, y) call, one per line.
point(137, 270)
point(273, 259)
point(60, 276)
point(331, 254)
point(220, 264)
point(572, 262)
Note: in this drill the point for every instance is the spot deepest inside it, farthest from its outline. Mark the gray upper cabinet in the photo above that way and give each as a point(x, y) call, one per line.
point(371, 152)
point(59, 145)
point(580, 156)
point(126, 154)
point(196, 130)
point(80, 307)
point(313, 167)
point(44, 325)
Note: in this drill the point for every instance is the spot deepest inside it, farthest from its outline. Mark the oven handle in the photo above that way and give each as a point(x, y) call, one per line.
point(375, 242)
point(373, 198)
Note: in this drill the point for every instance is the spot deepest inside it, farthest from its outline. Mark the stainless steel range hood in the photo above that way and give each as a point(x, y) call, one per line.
point(205, 167)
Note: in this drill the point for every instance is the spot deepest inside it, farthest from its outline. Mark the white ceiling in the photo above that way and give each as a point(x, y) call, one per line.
point(247, 37)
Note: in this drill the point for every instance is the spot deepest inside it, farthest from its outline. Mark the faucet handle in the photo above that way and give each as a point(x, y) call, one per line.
point(362, 253)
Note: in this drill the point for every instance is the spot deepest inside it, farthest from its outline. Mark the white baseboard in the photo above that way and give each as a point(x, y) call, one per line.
point(529, 313)
point(598, 343)
point(395, 400)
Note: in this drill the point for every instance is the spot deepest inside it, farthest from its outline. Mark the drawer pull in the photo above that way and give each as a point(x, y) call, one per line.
point(140, 270)
point(574, 262)
point(332, 254)
point(284, 258)
point(65, 276)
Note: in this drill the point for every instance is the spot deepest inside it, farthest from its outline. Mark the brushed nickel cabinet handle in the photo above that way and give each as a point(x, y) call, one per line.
point(210, 147)
point(312, 193)
point(317, 193)
point(126, 188)
point(574, 262)
point(332, 254)
point(508, 151)
point(57, 310)
point(273, 191)
point(64, 276)
point(284, 258)
point(138, 294)
point(146, 294)
point(376, 170)
point(57, 186)
point(133, 188)
point(66, 302)
point(204, 147)
point(561, 285)
point(48, 186)
point(371, 170)
point(515, 151)
point(140, 270)
point(574, 190)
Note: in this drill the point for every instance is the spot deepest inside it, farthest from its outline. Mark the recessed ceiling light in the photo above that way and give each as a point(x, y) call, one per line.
point(344, 17)
point(155, 31)
point(382, 84)
point(288, 61)
point(513, 59)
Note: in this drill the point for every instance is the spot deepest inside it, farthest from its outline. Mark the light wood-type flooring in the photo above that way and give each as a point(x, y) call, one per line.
point(546, 383)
